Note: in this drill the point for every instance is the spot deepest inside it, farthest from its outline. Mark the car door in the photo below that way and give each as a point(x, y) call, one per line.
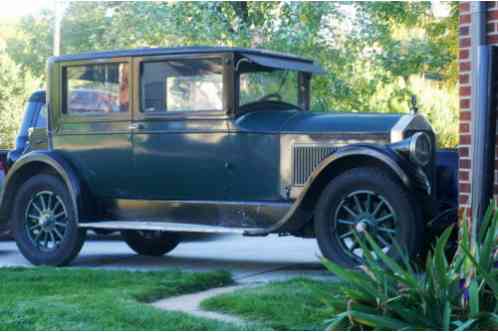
point(91, 126)
point(180, 135)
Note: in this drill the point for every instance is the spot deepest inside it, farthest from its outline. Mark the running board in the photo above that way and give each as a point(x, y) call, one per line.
point(169, 227)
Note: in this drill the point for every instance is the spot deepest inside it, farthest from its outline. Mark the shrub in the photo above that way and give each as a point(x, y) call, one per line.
point(456, 294)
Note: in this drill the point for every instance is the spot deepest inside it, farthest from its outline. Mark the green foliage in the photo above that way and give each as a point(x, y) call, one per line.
point(372, 51)
point(456, 294)
point(15, 87)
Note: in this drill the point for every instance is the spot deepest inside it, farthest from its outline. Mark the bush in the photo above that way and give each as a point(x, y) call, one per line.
point(456, 294)
point(15, 87)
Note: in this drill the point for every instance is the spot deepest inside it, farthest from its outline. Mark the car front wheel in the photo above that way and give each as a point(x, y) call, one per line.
point(150, 243)
point(366, 200)
point(44, 223)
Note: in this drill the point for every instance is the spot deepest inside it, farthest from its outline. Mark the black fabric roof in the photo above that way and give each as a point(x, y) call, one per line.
point(259, 53)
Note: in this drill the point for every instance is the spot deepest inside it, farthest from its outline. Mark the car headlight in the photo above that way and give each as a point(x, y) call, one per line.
point(420, 149)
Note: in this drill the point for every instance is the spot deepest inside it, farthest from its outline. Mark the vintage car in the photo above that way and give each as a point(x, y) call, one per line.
point(159, 142)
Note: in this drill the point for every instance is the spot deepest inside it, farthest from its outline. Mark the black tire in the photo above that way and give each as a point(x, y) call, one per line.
point(151, 243)
point(331, 227)
point(67, 240)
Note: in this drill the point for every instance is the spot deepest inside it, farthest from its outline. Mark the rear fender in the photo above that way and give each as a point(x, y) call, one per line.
point(34, 163)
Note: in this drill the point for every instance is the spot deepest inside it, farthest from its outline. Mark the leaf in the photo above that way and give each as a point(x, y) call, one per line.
point(379, 322)
point(473, 298)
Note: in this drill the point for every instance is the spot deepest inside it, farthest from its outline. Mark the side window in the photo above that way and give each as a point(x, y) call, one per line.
point(96, 89)
point(41, 121)
point(181, 85)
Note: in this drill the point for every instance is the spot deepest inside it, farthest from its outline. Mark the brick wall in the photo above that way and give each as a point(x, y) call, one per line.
point(465, 89)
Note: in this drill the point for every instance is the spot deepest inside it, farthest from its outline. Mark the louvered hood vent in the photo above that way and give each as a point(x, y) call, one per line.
point(305, 158)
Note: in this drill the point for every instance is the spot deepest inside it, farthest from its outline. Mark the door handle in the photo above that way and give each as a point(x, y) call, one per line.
point(135, 126)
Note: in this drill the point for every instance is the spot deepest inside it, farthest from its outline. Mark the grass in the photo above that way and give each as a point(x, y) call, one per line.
point(297, 304)
point(82, 299)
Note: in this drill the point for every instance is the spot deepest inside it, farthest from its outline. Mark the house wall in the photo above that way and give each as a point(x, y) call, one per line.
point(465, 91)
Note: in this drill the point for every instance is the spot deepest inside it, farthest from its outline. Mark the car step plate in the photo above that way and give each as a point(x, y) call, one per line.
point(165, 226)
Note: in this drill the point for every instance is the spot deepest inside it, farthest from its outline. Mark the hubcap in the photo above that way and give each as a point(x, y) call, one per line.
point(46, 220)
point(364, 212)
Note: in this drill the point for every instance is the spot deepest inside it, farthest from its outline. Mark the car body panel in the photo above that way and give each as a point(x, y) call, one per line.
point(251, 167)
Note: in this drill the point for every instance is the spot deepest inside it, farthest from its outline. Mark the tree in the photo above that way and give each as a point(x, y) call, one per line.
point(372, 52)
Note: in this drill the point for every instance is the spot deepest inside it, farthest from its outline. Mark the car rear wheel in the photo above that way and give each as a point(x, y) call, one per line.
point(44, 224)
point(150, 243)
point(366, 200)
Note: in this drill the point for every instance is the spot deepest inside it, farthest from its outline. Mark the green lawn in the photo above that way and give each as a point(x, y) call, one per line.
point(298, 304)
point(82, 299)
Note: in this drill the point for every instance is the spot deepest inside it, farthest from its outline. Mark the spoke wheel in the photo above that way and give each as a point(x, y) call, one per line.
point(363, 212)
point(46, 220)
point(366, 200)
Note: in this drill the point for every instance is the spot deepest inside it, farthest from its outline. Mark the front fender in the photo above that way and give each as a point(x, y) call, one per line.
point(302, 208)
point(34, 163)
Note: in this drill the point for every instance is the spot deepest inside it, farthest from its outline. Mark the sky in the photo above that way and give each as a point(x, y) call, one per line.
point(13, 9)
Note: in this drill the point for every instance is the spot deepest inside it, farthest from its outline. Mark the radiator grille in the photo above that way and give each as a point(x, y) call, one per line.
point(304, 160)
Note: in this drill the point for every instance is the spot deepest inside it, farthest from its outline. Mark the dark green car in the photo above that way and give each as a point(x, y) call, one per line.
point(156, 142)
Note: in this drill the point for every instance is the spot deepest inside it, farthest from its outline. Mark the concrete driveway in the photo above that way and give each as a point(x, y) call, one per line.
point(249, 259)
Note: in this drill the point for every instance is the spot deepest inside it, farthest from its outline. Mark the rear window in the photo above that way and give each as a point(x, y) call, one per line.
point(96, 89)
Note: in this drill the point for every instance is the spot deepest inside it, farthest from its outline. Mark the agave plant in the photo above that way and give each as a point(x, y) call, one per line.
point(456, 294)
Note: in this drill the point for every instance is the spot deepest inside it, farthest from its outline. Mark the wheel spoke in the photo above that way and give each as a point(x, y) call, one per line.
point(59, 235)
point(377, 208)
point(386, 217)
point(36, 207)
point(350, 211)
point(368, 202)
point(42, 201)
point(33, 227)
point(345, 222)
point(346, 234)
point(33, 216)
point(358, 204)
point(60, 214)
point(384, 242)
point(38, 235)
point(386, 230)
point(52, 238)
point(60, 224)
point(49, 204)
point(45, 240)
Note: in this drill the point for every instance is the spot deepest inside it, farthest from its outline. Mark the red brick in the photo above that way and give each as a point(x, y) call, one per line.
point(464, 128)
point(464, 19)
point(463, 152)
point(464, 7)
point(464, 163)
point(464, 187)
point(463, 199)
point(492, 39)
point(464, 78)
point(464, 42)
point(465, 139)
point(464, 54)
point(492, 15)
point(464, 66)
point(465, 91)
point(465, 103)
point(463, 175)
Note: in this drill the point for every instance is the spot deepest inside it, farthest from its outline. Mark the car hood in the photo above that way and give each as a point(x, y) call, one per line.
point(294, 121)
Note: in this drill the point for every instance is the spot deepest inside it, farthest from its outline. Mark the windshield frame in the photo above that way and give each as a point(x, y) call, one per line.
point(303, 86)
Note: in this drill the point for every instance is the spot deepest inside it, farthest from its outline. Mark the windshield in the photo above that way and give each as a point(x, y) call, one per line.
point(270, 85)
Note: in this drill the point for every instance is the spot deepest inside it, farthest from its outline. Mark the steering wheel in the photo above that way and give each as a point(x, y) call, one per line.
point(274, 95)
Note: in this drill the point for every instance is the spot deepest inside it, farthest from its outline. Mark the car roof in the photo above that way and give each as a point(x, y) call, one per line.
point(175, 50)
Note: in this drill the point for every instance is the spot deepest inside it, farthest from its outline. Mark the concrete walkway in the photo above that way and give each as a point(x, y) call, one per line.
point(191, 304)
